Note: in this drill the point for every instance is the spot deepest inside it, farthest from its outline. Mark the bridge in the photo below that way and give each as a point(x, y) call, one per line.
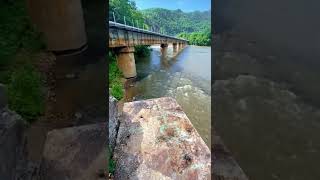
point(123, 38)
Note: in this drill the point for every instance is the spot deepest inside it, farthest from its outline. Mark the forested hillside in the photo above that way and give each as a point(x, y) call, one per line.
point(193, 26)
point(173, 22)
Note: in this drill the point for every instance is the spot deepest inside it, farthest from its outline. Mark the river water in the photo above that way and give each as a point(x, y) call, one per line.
point(185, 76)
point(267, 109)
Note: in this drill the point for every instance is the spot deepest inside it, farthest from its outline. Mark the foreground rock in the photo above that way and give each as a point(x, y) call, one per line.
point(156, 140)
point(113, 121)
point(75, 153)
point(12, 144)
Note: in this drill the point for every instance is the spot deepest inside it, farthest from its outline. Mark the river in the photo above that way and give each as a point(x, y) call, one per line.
point(266, 107)
point(185, 76)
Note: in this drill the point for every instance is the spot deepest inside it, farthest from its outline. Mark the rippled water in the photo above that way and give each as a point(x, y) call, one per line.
point(185, 76)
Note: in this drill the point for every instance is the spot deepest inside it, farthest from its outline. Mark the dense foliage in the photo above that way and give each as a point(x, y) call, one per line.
point(115, 84)
point(15, 31)
point(193, 26)
point(111, 164)
point(19, 41)
point(173, 22)
point(25, 93)
point(142, 50)
point(197, 38)
point(127, 9)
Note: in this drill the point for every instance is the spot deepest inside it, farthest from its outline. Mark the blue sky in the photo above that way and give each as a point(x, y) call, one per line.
point(184, 5)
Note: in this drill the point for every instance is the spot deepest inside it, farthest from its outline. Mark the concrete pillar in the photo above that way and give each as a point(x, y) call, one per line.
point(164, 48)
point(60, 21)
point(174, 47)
point(126, 62)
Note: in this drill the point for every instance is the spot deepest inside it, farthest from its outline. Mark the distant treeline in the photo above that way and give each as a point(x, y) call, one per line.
point(173, 22)
point(197, 38)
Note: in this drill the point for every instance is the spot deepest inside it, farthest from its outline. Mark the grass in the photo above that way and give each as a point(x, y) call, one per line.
point(115, 75)
point(112, 164)
point(25, 93)
point(19, 41)
point(115, 84)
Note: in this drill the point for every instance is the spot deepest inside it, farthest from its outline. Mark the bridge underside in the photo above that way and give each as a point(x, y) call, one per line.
point(118, 38)
point(121, 35)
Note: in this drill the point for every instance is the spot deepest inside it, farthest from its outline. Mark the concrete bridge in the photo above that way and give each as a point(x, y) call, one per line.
point(123, 38)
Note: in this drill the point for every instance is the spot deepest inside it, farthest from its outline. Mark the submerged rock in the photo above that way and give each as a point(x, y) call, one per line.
point(156, 140)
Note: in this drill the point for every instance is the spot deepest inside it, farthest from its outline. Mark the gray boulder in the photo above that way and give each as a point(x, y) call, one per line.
point(75, 153)
point(11, 143)
point(113, 121)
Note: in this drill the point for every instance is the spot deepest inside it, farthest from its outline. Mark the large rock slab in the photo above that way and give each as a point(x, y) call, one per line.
point(75, 153)
point(156, 140)
point(113, 121)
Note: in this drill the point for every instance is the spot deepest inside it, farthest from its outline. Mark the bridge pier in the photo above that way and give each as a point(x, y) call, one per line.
point(174, 47)
point(61, 22)
point(126, 61)
point(164, 48)
point(183, 45)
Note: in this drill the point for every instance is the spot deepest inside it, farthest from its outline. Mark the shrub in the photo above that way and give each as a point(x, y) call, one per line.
point(115, 75)
point(112, 164)
point(117, 90)
point(25, 93)
point(142, 50)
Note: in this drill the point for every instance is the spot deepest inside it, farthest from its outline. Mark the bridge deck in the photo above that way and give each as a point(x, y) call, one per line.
point(121, 35)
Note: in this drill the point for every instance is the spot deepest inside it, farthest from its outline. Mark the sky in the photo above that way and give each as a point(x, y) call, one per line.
point(184, 5)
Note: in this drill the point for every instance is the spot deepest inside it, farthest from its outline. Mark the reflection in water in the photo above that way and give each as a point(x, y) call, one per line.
point(184, 75)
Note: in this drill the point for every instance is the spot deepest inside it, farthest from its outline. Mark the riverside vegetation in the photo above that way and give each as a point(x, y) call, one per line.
point(115, 75)
point(115, 84)
point(19, 42)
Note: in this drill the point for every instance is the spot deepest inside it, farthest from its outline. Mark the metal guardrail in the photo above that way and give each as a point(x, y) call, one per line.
point(131, 28)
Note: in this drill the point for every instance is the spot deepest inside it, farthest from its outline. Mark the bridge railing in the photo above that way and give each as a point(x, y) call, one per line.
point(128, 23)
point(132, 22)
